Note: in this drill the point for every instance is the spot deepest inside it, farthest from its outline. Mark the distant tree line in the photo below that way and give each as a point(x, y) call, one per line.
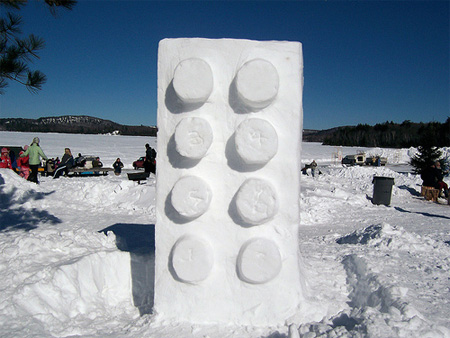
point(74, 125)
point(392, 135)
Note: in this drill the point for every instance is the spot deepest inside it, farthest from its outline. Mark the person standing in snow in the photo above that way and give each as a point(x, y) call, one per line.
point(5, 161)
point(313, 167)
point(428, 176)
point(34, 152)
point(118, 165)
point(67, 162)
point(22, 164)
point(440, 184)
point(150, 159)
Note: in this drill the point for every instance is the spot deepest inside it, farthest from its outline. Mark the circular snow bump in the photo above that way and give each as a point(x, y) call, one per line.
point(192, 259)
point(191, 196)
point(193, 81)
point(257, 83)
point(256, 201)
point(193, 137)
point(259, 261)
point(256, 141)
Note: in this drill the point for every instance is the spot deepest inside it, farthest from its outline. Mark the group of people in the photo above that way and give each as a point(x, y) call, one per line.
point(29, 160)
point(27, 163)
point(67, 162)
point(433, 176)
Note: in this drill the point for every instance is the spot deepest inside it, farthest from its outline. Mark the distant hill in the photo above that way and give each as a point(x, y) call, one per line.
point(74, 125)
point(310, 135)
point(386, 135)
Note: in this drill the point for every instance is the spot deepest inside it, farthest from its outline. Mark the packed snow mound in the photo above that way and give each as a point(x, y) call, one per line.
point(79, 289)
point(99, 192)
point(392, 237)
point(77, 274)
point(362, 173)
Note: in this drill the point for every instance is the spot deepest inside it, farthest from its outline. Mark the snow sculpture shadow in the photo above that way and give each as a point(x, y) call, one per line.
point(234, 160)
point(412, 191)
point(16, 217)
point(176, 160)
point(233, 100)
point(139, 241)
point(427, 214)
point(177, 106)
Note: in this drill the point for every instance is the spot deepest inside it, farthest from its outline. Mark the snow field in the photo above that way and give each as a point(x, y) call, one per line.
point(371, 270)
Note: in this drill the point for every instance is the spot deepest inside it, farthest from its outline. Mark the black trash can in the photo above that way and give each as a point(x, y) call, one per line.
point(382, 190)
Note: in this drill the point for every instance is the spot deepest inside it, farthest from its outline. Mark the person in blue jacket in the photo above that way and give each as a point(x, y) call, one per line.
point(67, 162)
point(118, 165)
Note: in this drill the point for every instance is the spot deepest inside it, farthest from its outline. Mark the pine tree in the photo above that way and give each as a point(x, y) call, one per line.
point(16, 52)
point(425, 158)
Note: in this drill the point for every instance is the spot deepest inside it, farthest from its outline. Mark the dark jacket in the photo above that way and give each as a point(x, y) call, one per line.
point(67, 160)
point(118, 167)
point(150, 154)
point(429, 177)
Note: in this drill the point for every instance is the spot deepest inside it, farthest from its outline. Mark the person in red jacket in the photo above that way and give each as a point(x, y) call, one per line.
point(5, 161)
point(22, 165)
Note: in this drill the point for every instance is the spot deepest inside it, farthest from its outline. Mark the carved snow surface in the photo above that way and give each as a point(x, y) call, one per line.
point(192, 259)
point(193, 81)
point(256, 201)
point(193, 137)
point(229, 139)
point(257, 83)
point(256, 141)
point(191, 196)
point(259, 261)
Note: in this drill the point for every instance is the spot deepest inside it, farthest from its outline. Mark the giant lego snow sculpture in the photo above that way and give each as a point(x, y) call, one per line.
point(229, 142)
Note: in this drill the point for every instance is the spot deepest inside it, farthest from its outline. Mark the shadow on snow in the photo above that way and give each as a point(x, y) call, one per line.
point(15, 217)
point(139, 241)
point(412, 191)
point(421, 213)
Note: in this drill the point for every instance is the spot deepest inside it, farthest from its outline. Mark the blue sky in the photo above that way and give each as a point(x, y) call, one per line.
point(364, 62)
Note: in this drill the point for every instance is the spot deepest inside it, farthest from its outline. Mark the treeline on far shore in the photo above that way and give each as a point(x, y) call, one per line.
point(391, 135)
point(74, 124)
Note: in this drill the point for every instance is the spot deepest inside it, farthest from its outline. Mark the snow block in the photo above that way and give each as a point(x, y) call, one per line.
point(228, 181)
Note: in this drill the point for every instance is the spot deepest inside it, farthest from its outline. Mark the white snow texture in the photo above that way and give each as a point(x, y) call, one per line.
point(77, 254)
point(227, 194)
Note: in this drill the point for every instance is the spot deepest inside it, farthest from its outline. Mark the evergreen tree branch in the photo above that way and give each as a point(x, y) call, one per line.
point(16, 52)
point(10, 26)
point(16, 4)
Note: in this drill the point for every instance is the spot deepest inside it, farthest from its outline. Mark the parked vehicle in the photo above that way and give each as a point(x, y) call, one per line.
point(139, 163)
point(362, 159)
point(359, 159)
point(349, 160)
point(373, 160)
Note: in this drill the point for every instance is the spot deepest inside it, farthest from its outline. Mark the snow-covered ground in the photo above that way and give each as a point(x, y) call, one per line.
point(76, 254)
